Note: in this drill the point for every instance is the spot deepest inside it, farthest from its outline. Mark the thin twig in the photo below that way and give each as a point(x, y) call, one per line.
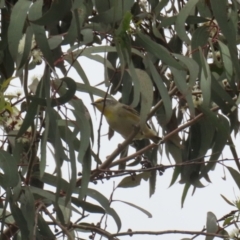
point(95, 229)
point(131, 233)
point(65, 231)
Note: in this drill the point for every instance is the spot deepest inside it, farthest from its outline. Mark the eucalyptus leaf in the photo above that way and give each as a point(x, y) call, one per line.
point(212, 225)
point(181, 19)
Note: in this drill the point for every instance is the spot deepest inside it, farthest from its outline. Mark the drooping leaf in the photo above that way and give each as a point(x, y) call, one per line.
point(27, 47)
point(86, 206)
point(137, 207)
point(205, 81)
point(19, 218)
point(226, 59)
point(17, 21)
point(44, 228)
point(105, 204)
point(184, 194)
point(181, 19)
point(157, 50)
point(66, 97)
point(28, 209)
point(146, 88)
point(55, 13)
point(133, 181)
point(86, 166)
point(228, 29)
point(235, 175)
point(211, 225)
point(136, 92)
point(183, 87)
point(9, 166)
point(162, 90)
point(227, 201)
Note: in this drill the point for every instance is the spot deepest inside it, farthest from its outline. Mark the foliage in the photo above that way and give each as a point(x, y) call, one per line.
point(176, 61)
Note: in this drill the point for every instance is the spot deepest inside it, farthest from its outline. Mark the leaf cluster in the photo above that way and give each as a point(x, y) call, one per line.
point(176, 62)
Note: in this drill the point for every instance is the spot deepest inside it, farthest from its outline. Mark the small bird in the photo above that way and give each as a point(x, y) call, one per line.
point(122, 119)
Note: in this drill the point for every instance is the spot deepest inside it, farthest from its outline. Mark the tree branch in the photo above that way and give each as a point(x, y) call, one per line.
point(131, 233)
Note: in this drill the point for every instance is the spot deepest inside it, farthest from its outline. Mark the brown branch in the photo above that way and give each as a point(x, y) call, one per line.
point(95, 229)
point(118, 150)
point(140, 152)
point(65, 230)
point(131, 233)
point(36, 221)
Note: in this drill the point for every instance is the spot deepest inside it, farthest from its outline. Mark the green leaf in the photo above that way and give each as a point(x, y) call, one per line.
point(162, 90)
point(226, 59)
point(235, 175)
point(9, 166)
point(42, 42)
point(73, 30)
point(44, 147)
point(205, 81)
point(47, 195)
point(102, 5)
point(52, 180)
point(44, 228)
point(29, 118)
point(89, 89)
point(35, 11)
point(134, 181)
point(228, 29)
point(27, 47)
point(199, 39)
point(86, 172)
point(192, 67)
point(66, 97)
point(136, 93)
point(220, 138)
point(135, 206)
point(160, 6)
point(211, 225)
point(74, 63)
point(181, 19)
point(20, 220)
point(82, 119)
point(73, 177)
point(227, 201)
point(157, 50)
point(146, 88)
point(113, 11)
point(207, 131)
point(221, 97)
point(54, 41)
point(183, 87)
point(176, 173)
point(86, 206)
point(55, 13)
point(184, 194)
point(17, 21)
point(105, 204)
point(28, 209)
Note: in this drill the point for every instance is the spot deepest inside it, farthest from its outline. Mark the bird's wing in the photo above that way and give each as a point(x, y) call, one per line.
point(134, 113)
point(130, 110)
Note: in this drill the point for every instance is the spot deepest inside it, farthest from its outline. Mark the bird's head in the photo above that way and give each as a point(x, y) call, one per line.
point(103, 105)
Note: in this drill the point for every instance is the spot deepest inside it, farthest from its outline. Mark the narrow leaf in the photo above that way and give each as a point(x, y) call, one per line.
point(181, 19)
point(235, 175)
point(135, 206)
point(211, 225)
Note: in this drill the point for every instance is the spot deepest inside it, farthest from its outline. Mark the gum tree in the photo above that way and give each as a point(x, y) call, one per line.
point(176, 62)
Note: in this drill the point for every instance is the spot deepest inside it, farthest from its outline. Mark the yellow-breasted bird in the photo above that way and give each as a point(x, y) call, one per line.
point(122, 119)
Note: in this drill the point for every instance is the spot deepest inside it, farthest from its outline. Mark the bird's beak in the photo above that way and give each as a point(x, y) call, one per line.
point(93, 103)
